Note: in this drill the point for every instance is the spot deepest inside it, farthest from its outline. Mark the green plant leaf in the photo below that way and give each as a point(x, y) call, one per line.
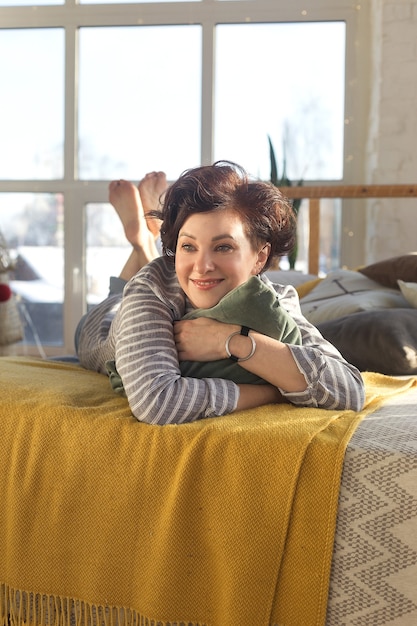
point(273, 162)
point(284, 181)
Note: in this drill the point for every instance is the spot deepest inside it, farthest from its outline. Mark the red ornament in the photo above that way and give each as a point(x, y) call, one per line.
point(5, 292)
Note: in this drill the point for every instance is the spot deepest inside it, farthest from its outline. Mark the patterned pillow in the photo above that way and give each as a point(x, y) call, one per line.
point(343, 292)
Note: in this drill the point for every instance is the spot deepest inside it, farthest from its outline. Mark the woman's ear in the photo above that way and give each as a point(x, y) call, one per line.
point(263, 256)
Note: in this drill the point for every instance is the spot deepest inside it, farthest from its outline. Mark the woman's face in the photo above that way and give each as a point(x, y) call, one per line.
point(214, 255)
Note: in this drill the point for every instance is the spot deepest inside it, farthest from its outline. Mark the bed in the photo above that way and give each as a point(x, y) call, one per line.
point(268, 517)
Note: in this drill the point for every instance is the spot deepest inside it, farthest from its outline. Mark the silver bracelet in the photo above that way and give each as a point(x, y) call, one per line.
point(245, 332)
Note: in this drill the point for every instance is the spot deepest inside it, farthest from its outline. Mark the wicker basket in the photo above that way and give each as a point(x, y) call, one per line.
point(11, 327)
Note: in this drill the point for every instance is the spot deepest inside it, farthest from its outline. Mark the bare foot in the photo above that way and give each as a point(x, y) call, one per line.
point(152, 188)
point(125, 198)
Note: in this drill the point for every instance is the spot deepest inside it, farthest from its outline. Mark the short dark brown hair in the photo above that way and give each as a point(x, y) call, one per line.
point(266, 215)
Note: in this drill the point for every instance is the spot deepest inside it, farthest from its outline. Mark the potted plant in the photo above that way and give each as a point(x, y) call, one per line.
point(284, 181)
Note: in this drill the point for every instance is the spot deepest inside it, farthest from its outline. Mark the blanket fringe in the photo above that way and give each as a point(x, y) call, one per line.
point(25, 608)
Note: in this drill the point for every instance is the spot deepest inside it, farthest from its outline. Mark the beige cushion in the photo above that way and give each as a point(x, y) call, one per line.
point(409, 291)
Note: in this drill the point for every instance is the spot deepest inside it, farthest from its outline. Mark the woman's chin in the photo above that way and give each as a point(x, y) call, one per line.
point(204, 300)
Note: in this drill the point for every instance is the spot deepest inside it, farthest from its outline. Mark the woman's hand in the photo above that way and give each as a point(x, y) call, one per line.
point(202, 339)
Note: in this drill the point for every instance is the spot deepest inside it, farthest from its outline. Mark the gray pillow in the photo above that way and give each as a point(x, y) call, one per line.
point(382, 341)
point(252, 304)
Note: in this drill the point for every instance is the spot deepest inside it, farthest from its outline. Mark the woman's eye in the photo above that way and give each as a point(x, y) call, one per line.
point(224, 247)
point(187, 247)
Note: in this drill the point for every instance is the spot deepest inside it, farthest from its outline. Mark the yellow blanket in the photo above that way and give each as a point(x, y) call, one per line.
point(224, 522)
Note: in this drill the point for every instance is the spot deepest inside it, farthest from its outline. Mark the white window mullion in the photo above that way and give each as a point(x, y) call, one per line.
point(71, 99)
point(207, 93)
point(74, 239)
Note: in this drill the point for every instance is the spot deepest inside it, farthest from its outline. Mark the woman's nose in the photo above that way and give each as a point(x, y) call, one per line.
point(203, 262)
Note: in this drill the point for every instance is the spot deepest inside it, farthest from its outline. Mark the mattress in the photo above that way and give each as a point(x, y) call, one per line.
point(374, 569)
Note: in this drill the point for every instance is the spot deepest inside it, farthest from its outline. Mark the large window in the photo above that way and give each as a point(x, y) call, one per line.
point(97, 91)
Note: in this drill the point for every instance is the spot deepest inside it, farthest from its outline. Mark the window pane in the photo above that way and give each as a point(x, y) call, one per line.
point(107, 249)
point(32, 225)
point(287, 82)
point(32, 103)
point(140, 101)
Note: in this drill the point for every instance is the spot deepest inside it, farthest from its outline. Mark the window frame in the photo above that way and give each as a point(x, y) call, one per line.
point(77, 193)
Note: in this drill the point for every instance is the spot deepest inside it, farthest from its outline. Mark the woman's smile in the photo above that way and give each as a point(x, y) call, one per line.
point(205, 284)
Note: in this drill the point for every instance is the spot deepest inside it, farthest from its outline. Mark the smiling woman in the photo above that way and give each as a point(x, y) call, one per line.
point(219, 231)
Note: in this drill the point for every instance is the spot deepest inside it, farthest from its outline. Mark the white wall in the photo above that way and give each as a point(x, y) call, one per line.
point(391, 225)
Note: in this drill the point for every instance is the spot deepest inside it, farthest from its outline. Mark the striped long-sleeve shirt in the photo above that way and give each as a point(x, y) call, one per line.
point(136, 330)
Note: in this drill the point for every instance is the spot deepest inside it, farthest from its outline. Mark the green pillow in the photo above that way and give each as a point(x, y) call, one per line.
point(252, 304)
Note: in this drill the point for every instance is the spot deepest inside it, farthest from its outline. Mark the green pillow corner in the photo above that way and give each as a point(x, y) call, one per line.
point(115, 378)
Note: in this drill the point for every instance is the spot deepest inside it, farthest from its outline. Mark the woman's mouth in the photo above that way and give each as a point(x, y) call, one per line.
point(206, 284)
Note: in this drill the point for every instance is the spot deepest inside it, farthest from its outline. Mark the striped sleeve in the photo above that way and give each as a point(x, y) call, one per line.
point(332, 382)
point(147, 359)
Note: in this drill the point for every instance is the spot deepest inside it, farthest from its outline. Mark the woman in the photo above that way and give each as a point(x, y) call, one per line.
point(218, 230)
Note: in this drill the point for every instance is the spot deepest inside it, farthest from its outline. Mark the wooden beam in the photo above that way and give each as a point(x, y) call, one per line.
point(350, 191)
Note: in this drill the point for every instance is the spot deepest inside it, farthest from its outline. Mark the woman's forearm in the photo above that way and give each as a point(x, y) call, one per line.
point(256, 395)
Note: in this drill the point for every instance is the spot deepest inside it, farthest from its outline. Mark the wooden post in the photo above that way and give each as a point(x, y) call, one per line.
point(314, 236)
